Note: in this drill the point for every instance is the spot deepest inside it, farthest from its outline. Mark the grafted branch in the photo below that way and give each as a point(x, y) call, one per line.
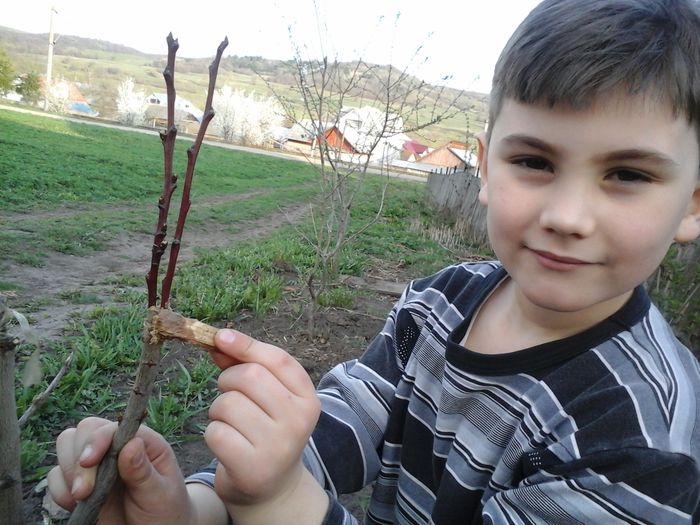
point(136, 410)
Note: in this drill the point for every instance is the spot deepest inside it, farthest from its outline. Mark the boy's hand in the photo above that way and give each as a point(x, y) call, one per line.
point(153, 489)
point(260, 423)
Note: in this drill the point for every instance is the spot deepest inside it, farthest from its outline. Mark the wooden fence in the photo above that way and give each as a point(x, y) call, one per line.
point(456, 195)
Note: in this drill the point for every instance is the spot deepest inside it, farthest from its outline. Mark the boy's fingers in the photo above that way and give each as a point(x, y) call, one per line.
point(79, 451)
point(135, 469)
point(92, 440)
point(59, 490)
point(245, 349)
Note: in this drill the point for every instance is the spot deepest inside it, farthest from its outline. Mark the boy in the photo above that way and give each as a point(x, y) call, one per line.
point(542, 388)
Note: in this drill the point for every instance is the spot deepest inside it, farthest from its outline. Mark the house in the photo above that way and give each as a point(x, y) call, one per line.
point(453, 156)
point(357, 134)
point(65, 96)
point(187, 115)
point(300, 137)
point(338, 142)
point(373, 132)
point(413, 150)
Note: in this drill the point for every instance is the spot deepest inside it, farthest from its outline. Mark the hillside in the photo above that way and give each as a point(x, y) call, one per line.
point(100, 66)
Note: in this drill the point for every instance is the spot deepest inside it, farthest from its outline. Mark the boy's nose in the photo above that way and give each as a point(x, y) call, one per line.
point(568, 213)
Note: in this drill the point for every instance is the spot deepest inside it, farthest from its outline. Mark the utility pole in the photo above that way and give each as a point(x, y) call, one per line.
point(49, 62)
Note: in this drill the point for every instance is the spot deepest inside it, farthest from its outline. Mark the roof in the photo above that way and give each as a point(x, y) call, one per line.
point(415, 147)
point(449, 156)
point(155, 111)
point(181, 104)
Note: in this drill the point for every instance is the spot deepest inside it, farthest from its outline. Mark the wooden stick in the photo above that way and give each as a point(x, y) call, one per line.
point(166, 324)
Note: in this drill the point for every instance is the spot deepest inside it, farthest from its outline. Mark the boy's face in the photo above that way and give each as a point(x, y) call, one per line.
point(583, 204)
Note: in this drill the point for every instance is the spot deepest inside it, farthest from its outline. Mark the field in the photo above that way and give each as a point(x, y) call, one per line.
point(75, 235)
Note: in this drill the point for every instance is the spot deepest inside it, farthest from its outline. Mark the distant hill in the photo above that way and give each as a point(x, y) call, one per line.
point(99, 67)
point(14, 41)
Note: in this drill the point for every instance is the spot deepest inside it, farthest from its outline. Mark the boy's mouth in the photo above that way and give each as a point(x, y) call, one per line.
point(557, 262)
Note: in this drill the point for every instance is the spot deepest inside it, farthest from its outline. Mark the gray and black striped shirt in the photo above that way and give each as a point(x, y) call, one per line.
point(600, 427)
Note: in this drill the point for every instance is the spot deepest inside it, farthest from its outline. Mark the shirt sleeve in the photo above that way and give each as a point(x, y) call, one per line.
point(356, 397)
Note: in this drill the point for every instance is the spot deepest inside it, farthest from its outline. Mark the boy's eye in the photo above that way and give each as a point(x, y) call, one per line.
point(629, 176)
point(533, 163)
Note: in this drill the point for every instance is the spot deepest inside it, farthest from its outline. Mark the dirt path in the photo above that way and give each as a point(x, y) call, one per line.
point(67, 212)
point(46, 287)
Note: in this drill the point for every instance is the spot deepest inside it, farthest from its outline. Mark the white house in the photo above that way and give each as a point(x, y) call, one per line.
point(181, 104)
point(369, 127)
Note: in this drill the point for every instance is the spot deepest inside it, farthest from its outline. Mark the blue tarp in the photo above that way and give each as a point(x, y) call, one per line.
point(82, 107)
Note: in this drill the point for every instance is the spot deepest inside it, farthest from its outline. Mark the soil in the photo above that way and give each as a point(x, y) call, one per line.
point(340, 334)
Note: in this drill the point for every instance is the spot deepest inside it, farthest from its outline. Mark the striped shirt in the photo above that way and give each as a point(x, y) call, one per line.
point(600, 427)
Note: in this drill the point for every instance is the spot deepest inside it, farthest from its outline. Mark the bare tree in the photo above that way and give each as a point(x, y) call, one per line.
point(13, 330)
point(350, 141)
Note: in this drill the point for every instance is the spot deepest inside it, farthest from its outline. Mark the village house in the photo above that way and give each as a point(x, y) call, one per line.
point(452, 157)
point(187, 115)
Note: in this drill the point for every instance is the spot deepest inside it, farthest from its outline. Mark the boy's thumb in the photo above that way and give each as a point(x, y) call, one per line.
point(135, 469)
point(227, 343)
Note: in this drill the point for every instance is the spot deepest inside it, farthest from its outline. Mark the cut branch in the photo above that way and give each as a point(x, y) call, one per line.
point(166, 324)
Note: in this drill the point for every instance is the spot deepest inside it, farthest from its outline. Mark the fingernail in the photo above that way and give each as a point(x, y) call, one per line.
point(138, 460)
point(226, 335)
point(87, 451)
point(77, 484)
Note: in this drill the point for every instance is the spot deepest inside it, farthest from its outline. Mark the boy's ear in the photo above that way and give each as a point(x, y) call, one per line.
point(482, 155)
point(689, 228)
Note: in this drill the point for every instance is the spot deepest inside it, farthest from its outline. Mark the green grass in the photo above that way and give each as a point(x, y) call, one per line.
point(214, 287)
point(81, 165)
point(84, 185)
point(8, 286)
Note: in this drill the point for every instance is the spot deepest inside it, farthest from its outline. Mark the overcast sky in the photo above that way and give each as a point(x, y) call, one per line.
point(461, 38)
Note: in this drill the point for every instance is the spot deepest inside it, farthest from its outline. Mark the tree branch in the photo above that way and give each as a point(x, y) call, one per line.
point(40, 398)
point(192, 153)
point(136, 411)
point(169, 179)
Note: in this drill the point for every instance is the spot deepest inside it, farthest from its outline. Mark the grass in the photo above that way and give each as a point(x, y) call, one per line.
point(72, 188)
point(87, 184)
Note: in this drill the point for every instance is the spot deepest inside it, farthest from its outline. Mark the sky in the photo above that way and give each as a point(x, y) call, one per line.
point(459, 39)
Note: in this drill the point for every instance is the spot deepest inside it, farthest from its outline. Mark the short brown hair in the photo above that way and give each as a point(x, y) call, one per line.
point(569, 52)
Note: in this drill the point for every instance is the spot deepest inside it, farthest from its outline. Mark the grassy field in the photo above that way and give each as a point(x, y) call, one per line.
point(70, 189)
point(110, 178)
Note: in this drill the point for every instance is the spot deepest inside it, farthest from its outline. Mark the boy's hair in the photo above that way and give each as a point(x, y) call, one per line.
point(569, 52)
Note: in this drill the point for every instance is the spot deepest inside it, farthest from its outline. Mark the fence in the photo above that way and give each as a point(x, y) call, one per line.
point(456, 195)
